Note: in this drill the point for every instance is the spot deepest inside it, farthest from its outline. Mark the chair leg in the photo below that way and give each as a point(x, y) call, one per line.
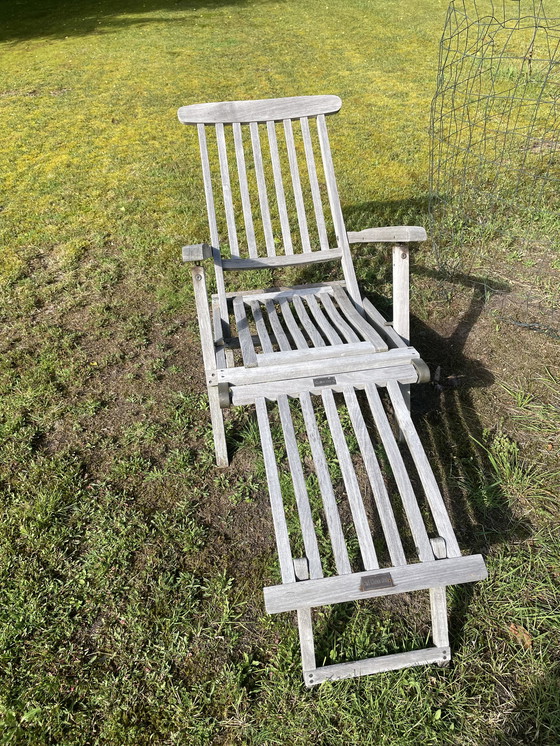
point(438, 607)
point(218, 429)
point(307, 644)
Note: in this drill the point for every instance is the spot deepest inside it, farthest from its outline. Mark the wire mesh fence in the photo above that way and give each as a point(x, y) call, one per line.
point(495, 140)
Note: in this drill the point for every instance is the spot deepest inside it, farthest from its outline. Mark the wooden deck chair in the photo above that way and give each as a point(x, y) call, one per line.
point(325, 365)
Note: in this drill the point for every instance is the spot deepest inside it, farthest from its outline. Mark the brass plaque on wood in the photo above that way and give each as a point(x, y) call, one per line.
point(324, 381)
point(373, 582)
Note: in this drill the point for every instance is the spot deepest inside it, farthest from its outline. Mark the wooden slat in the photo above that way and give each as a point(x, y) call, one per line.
point(243, 375)
point(210, 208)
point(323, 323)
point(262, 331)
point(296, 185)
point(226, 190)
point(335, 316)
point(244, 334)
point(289, 290)
point(282, 261)
point(208, 192)
point(307, 323)
point(401, 291)
point(400, 473)
point(260, 110)
point(261, 188)
point(244, 189)
point(382, 663)
point(382, 325)
point(330, 506)
point(279, 187)
point(305, 630)
point(339, 589)
point(313, 353)
point(365, 329)
point(277, 328)
point(438, 609)
point(293, 328)
point(388, 234)
point(359, 379)
point(314, 183)
point(275, 494)
point(336, 210)
point(300, 490)
point(221, 361)
point(380, 495)
point(363, 531)
point(431, 489)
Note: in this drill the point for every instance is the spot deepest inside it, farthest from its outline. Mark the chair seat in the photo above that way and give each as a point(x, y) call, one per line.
point(286, 327)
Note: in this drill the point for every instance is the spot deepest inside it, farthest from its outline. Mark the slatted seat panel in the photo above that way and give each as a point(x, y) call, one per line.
point(324, 319)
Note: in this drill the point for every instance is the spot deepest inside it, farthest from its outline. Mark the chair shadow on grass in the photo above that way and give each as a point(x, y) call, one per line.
point(64, 18)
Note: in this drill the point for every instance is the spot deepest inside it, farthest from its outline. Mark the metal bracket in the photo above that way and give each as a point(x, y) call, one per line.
point(424, 375)
point(224, 397)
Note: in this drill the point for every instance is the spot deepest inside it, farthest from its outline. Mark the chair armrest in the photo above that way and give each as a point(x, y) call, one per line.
point(391, 234)
point(196, 253)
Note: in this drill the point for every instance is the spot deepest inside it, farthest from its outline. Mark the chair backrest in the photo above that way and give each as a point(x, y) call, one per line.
point(279, 204)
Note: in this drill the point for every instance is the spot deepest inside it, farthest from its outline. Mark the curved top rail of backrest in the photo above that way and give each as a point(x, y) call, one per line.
point(264, 110)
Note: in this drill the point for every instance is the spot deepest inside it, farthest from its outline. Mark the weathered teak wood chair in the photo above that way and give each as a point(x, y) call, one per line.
point(292, 348)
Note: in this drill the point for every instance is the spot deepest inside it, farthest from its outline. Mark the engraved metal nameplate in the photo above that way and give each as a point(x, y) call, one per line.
point(374, 582)
point(324, 381)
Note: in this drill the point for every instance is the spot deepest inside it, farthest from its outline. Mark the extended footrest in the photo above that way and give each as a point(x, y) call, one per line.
point(379, 535)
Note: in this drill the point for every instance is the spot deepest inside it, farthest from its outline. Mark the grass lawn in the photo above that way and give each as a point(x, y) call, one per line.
point(131, 569)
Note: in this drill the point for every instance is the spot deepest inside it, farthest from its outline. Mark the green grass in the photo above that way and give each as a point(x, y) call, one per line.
point(130, 568)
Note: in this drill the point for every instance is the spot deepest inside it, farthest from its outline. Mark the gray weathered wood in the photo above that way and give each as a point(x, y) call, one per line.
point(291, 260)
point(401, 291)
point(244, 334)
point(365, 329)
point(384, 507)
point(219, 343)
point(293, 328)
point(314, 353)
point(226, 190)
point(342, 588)
point(410, 504)
point(300, 490)
point(330, 506)
point(277, 328)
point(279, 187)
point(209, 358)
point(260, 110)
point(384, 327)
point(307, 323)
point(388, 234)
point(275, 494)
point(359, 379)
point(307, 646)
point(262, 331)
point(322, 321)
point(343, 327)
point(438, 609)
point(243, 375)
point(380, 664)
point(244, 189)
point(196, 253)
point(261, 189)
point(431, 489)
point(355, 500)
point(336, 211)
point(296, 185)
point(314, 184)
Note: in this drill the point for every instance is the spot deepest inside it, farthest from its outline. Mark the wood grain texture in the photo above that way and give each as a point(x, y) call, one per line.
point(296, 186)
point(290, 260)
point(279, 187)
point(365, 329)
point(355, 500)
point(389, 234)
point(275, 495)
point(359, 379)
point(380, 664)
point(344, 588)
point(244, 334)
point(261, 189)
point(261, 110)
point(244, 189)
